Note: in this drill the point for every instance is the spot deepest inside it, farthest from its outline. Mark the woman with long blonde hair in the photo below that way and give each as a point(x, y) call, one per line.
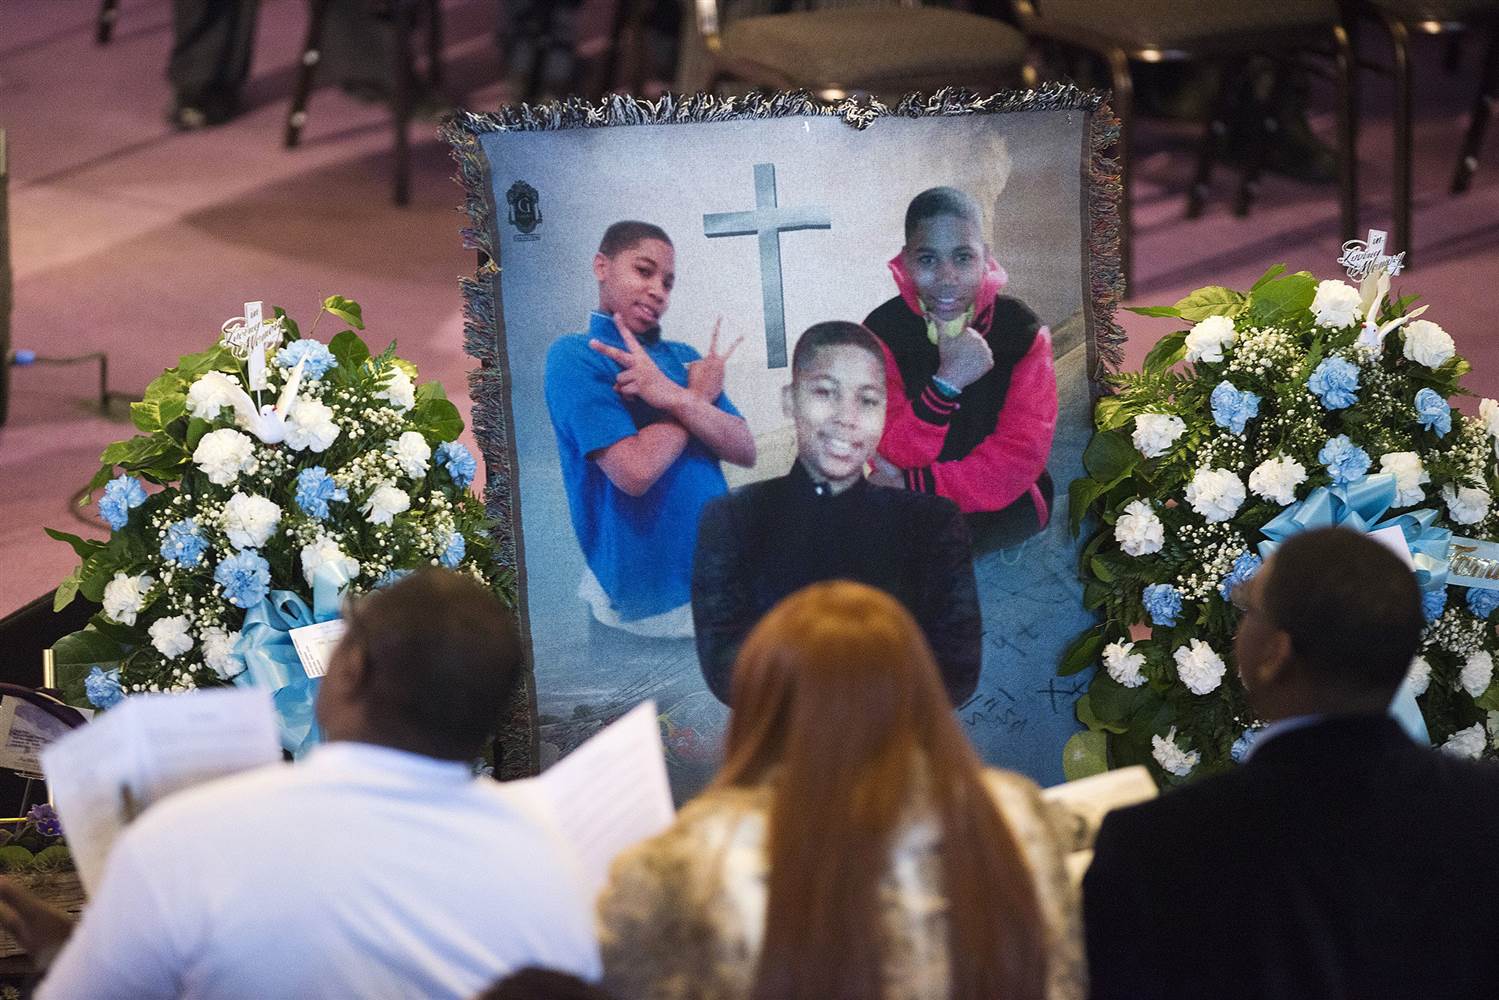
point(852, 845)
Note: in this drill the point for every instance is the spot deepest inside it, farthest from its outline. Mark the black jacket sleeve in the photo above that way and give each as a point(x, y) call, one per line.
point(950, 605)
point(722, 612)
point(1116, 919)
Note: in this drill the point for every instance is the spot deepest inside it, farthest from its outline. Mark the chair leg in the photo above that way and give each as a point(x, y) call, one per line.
point(109, 12)
point(1402, 207)
point(434, 44)
point(1124, 99)
point(1346, 60)
point(1214, 129)
point(1483, 105)
point(317, 16)
point(401, 102)
point(1266, 124)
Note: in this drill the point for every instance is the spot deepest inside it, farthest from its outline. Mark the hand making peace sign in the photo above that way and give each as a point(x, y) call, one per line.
point(705, 376)
point(640, 378)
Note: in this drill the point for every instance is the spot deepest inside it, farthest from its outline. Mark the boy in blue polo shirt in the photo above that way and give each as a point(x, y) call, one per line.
point(641, 425)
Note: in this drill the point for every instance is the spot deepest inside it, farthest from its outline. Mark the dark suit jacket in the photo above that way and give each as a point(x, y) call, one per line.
point(1341, 861)
point(769, 539)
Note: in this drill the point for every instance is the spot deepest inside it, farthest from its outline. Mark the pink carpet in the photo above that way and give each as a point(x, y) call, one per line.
point(139, 241)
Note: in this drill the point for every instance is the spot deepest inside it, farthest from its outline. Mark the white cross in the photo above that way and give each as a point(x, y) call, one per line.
point(1363, 258)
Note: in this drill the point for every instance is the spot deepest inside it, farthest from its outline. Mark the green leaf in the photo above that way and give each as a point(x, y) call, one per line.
point(1095, 594)
point(1082, 653)
point(1101, 569)
point(146, 417)
point(1112, 701)
point(287, 322)
point(1283, 299)
point(87, 646)
point(84, 547)
point(1214, 300)
point(1275, 271)
point(1168, 351)
point(1109, 456)
point(429, 390)
point(1080, 496)
point(345, 309)
point(216, 358)
point(1158, 311)
point(67, 590)
point(196, 428)
point(1085, 754)
point(439, 419)
point(1086, 717)
point(349, 349)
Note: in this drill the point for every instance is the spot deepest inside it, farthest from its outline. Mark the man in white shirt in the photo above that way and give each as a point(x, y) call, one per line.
point(378, 866)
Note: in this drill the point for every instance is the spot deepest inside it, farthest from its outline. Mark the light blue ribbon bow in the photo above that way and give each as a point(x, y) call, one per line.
point(271, 660)
point(1359, 507)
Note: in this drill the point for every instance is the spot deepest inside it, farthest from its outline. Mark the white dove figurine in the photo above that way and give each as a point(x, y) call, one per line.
point(268, 423)
point(1372, 291)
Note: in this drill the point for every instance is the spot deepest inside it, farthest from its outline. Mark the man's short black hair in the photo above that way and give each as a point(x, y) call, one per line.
point(941, 201)
point(1351, 607)
point(624, 235)
point(834, 333)
point(441, 657)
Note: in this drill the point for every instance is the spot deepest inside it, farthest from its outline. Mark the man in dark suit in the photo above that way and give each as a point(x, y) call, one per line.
point(1341, 860)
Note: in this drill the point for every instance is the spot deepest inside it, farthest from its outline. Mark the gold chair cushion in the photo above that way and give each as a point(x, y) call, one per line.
point(1190, 25)
point(861, 46)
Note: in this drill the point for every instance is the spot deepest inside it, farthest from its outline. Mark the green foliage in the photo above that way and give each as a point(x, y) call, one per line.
point(345, 309)
point(1278, 346)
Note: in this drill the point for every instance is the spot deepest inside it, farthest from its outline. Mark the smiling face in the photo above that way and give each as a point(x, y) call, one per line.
point(636, 283)
point(837, 401)
point(945, 257)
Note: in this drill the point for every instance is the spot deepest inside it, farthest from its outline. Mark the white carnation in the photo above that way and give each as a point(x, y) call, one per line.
point(1276, 479)
point(1477, 673)
point(1207, 339)
point(1336, 304)
point(310, 425)
point(1488, 412)
point(1465, 504)
point(218, 652)
point(1418, 677)
point(385, 503)
point(1199, 668)
point(250, 520)
point(1409, 474)
point(1123, 663)
point(1428, 344)
point(211, 393)
point(412, 454)
point(324, 552)
point(125, 596)
point(400, 391)
point(1216, 494)
point(170, 636)
point(1155, 433)
point(1172, 758)
point(1138, 530)
point(1467, 742)
point(223, 455)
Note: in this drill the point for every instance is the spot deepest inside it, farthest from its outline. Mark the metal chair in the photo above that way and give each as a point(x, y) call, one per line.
point(404, 14)
point(862, 49)
point(1122, 32)
point(1403, 19)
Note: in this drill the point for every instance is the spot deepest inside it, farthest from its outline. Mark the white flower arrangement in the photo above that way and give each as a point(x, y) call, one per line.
point(1183, 507)
point(253, 495)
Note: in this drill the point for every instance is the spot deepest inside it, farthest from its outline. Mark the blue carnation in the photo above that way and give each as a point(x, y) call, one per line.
point(391, 576)
point(1243, 568)
point(183, 544)
point(102, 687)
point(459, 461)
point(453, 554)
point(1232, 408)
point(1335, 383)
point(1345, 460)
point(1163, 603)
point(315, 488)
point(1242, 745)
point(1482, 602)
point(121, 494)
point(1433, 603)
point(245, 578)
point(1433, 412)
point(317, 357)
